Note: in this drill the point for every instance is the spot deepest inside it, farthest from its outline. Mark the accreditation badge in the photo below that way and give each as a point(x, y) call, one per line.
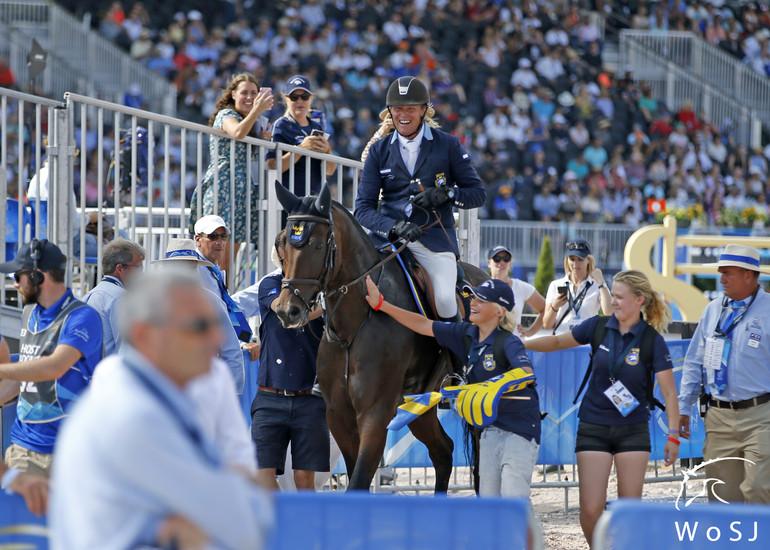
point(489, 361)
point(440, 179)
point(623, 399)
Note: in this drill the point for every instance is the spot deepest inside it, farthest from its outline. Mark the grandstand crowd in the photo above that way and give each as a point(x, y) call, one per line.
point(553, 133)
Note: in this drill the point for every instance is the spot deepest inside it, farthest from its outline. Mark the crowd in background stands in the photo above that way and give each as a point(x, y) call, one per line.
point(522, 84)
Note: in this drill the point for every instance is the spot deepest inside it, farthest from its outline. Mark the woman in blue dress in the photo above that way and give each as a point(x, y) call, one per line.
point(238, 114)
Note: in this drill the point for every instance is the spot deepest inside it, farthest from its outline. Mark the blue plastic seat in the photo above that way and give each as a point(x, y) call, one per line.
point(13, 237)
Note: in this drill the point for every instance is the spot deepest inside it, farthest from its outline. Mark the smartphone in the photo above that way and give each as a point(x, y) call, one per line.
point(317, 132)
point(562, 289)
point(266, 89)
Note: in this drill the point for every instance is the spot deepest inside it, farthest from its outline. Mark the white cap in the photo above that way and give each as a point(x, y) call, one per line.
point(182, 250)
point(209, 224)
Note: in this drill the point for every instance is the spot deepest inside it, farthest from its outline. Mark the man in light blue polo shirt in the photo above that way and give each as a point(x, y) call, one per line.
point(121, 260)
point(133, 453)
point(730, 356)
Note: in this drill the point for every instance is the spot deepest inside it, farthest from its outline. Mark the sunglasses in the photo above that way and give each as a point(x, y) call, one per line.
point(135, 266)
point(297, 97)
point(577, 246)
point(215, 236)
point(498, 259)
point(201, 325)
point(18, 274)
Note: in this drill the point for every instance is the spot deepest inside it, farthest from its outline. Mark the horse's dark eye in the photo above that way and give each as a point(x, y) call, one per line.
point(319, 245)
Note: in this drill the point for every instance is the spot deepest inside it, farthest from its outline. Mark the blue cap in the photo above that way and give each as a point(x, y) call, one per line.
point(577, 247)
point(496, 250)
point(298, 82)
point(495, 291)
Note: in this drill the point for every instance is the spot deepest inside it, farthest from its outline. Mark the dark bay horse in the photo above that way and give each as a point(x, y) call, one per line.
point(366, 361)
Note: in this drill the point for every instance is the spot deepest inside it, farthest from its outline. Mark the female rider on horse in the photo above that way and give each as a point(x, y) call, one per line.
point(509, 446)
point(420, 173)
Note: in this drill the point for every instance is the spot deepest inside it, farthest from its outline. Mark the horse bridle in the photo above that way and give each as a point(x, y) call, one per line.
point(323, 277)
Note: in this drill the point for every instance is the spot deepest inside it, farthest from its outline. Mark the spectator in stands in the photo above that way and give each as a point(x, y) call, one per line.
point(33, 488)
point(7, 78)
point(595, 154)
point(579, 294)
point(286, 409)
point(524, 76)
point(150, 449)
point(238, 114)
point(499, 262)
point(737, 378)
point(122, 260)
point(60, 345)
point(546, 204)
point(614, 415)
point(504, 206)
point(508, 448)
point(303, 127)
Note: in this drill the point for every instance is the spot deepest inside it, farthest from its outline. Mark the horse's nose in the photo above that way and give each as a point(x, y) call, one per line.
point(289, 316)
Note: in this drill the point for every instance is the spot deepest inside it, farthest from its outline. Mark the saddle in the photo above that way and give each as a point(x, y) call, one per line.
point(422, 287)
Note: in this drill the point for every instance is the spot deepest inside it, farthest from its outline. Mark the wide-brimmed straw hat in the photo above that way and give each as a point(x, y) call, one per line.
point(182, 250)
point(739, 255)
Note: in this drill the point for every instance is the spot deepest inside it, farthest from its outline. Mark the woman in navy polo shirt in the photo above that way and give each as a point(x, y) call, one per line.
point(614, 415)
point(302, 127)
point(509, 446)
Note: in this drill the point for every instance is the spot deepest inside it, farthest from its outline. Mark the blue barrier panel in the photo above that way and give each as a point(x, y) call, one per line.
point(558, 377)
point(18, 527)
point(250, 370)
point(637, 525)
point(372, 522)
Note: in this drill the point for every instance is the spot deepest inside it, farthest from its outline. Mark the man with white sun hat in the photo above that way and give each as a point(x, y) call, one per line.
point(729, 355)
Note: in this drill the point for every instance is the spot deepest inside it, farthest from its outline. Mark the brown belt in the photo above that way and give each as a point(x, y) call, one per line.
point(287, 393)
point(738, 405)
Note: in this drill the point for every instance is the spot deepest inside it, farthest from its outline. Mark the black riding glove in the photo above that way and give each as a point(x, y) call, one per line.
point(405, 230)
point(434, 196)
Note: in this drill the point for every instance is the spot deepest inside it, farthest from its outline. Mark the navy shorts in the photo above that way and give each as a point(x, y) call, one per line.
point(277, 420)
point(612, 439)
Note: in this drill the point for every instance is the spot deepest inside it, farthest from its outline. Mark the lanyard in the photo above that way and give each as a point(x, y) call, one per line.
point(718, 331)
point(112, 280)
point(36, 313)
point(577, 301)
point(193, 432)
point(615, 365)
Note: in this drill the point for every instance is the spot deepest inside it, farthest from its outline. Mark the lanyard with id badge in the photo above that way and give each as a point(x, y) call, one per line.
point(617, 393)
point(717, 349)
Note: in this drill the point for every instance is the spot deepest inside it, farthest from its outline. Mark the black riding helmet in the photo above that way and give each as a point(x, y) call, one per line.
point(407, 90)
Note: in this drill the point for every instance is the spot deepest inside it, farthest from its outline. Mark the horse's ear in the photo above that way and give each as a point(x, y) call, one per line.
point(324, 201)
point(288, 200)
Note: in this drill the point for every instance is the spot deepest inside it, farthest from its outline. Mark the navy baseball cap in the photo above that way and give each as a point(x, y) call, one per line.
point(496, 250)
point(51, 257)
point(298, 82)
point(495, 291)
point(577, 247)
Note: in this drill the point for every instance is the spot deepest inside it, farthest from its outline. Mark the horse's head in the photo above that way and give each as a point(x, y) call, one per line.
point(309, 255)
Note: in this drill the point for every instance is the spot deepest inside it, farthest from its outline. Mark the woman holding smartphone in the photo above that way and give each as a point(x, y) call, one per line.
point(302, 127)
point(579, 294)
point(238, 115)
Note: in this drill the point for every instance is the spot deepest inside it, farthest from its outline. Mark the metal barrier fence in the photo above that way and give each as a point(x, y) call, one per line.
point(525, 239)
point(675, 66)
point(101, 68)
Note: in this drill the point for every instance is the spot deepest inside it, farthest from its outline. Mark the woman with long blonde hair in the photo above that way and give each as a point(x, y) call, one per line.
point(615, 411)
point(508, 447)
